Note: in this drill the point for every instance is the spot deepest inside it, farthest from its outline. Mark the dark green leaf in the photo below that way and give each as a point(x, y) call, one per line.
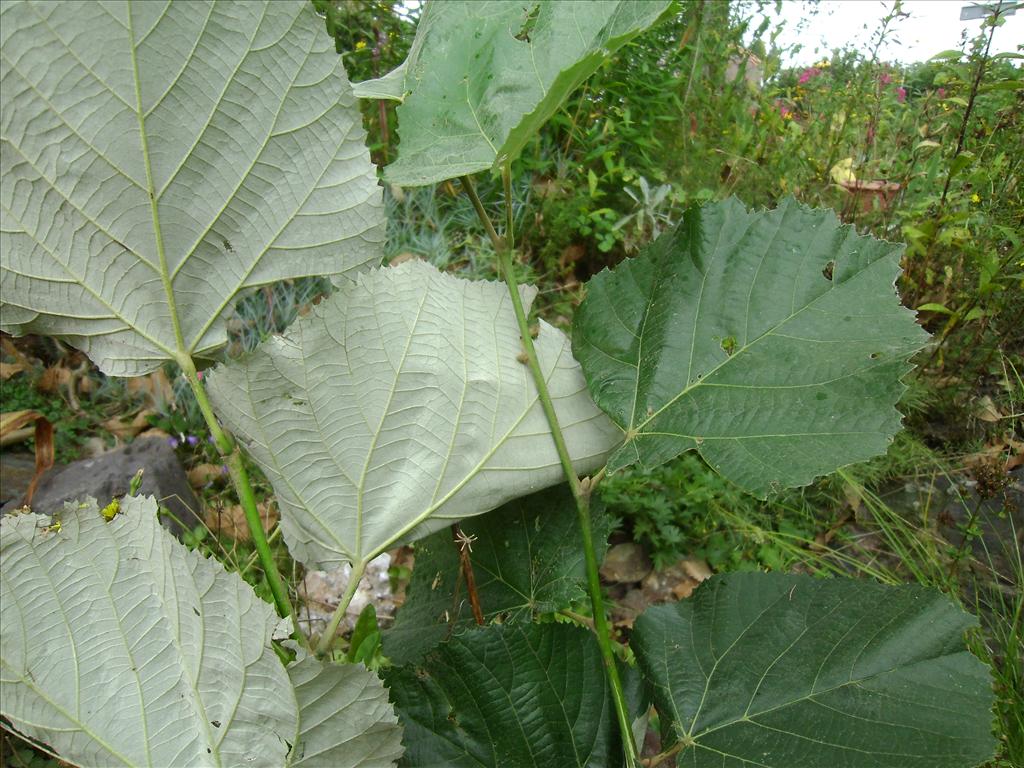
point(527, 558)
point(482, 77)
point(366, 626)
point(782, 671)
point(772, 342)
point(519, 696)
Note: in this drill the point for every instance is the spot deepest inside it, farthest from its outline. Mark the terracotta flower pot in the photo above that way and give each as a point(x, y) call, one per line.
point(866, 193)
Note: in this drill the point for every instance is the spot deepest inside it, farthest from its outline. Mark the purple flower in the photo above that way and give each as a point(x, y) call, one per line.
point(901, 94)
point(173, 442)
point(192, 440)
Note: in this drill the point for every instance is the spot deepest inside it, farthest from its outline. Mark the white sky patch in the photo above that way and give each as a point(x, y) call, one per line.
point(933, 26)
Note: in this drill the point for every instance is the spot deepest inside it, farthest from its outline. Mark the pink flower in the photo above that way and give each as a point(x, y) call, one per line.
point(885, 78)
point(901, 94)
point(941, 93)
point(808, 74)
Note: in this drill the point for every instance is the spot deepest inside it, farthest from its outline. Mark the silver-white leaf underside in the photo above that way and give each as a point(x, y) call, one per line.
point(150, 149)
point(399, 406)
point(345, 718)
point(121, 647)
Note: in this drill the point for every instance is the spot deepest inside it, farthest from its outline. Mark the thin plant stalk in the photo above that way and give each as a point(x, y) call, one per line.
point(581, 490)
point(975, 85)
point(354, 577)
point(229, 451)
point(251, 560)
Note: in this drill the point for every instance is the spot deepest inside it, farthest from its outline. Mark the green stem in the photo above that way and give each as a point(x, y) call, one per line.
point(580, 490)
point(251, 560)
point(327, 638)
point(232, 456)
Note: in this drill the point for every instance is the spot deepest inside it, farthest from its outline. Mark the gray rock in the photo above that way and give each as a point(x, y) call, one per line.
point(625, 564)
point(17, 468)
point(107, 476)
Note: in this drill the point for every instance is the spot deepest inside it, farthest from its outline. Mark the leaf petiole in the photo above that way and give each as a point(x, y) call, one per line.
point(580, 491)
point(232, 456)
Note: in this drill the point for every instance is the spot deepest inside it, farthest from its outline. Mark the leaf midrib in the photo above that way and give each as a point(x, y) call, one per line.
point(703, 380)
point(165, 279)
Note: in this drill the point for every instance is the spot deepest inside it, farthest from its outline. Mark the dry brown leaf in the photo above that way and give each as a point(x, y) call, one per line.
point(1007, 445)
point(44, 454)
point(124, 429)
point(201, 474)
point(402, 258)
point(986, 410)
point(676, 582)
point(684, 589)
point(696, 568)
point(13, 428)
point(54, 378)
point(230, 520)
point(154, 432)
point(155, 388)
point(9, 369)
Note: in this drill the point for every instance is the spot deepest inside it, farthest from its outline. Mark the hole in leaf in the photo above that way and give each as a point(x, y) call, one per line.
point(873, 355)
point(529, 23)
point(827, 271)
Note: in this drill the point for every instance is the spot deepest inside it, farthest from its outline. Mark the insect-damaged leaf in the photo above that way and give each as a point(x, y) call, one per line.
point(772, 342)
point(482, 77)
point(153, 150)
point(527, 558)
point(399, 406)
point(118, 646)
point(785, 671)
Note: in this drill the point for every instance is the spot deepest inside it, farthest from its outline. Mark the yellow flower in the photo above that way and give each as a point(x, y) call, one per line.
point(110, 511)
point(975, 198)
point(360, 45)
